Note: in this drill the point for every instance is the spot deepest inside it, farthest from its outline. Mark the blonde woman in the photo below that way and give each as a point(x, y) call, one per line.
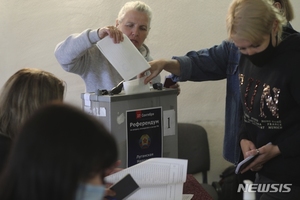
point(79, 54)
point(259, 60)
point(269, 84)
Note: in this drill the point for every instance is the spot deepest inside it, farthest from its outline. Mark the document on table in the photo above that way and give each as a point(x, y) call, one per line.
point(158, 178)
point(124, 57)
point(187, 196)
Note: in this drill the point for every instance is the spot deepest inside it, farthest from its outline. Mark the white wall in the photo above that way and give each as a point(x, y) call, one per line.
point(31, 29)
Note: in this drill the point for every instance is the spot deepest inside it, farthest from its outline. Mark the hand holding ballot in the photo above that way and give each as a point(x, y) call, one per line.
point(123, 57)
point(111, 31)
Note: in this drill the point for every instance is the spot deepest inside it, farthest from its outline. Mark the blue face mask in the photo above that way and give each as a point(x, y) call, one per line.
point(90, 192)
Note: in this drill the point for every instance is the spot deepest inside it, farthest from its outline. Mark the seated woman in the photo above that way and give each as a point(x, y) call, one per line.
point(60, 153)
point(22, 94)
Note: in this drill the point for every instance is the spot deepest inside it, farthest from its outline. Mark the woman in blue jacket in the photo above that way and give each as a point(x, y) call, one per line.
point(266, 67)
point(217, 63)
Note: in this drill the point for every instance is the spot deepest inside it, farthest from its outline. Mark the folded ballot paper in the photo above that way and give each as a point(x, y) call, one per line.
point(158, 179)
point(124, 57)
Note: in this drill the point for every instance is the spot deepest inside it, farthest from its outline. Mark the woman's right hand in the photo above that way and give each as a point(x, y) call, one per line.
point(156, 66)
point(112, 31)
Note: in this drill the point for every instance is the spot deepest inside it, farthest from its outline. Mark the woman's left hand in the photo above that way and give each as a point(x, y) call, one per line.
point(266, 153)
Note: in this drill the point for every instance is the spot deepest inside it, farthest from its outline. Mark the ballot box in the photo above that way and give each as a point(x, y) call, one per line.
point(143, 124)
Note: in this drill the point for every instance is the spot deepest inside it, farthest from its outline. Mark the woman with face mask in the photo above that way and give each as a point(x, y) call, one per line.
point(267, 62)
point(60, 153)
point(216, 63)
point(269, 84)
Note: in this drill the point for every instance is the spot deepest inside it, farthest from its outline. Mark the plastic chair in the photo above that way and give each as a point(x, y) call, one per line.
point(193, 146)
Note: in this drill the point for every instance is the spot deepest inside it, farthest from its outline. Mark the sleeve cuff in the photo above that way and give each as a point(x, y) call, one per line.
point(185, 68)
point(93, 36)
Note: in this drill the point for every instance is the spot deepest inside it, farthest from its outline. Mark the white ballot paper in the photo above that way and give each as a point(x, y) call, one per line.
point(135, 86)
point(187, 196)
point(158, 178)
point(124, 57)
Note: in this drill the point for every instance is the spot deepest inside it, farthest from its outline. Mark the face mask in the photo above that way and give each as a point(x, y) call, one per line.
point(90, 192)
point(261, 58)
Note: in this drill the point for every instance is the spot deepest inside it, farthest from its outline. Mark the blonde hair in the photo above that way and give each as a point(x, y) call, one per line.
point(286, 9)
point(23, 93)
point(252, 19)
point(137, 6)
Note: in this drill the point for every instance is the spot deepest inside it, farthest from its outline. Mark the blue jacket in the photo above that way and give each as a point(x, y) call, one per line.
point(216, 63)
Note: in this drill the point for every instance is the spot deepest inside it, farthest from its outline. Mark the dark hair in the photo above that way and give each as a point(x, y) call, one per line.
point(23, 93)
point(56, 149)
point(5, 145)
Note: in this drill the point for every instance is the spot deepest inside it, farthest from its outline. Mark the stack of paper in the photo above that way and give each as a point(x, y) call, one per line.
point(158, 178)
